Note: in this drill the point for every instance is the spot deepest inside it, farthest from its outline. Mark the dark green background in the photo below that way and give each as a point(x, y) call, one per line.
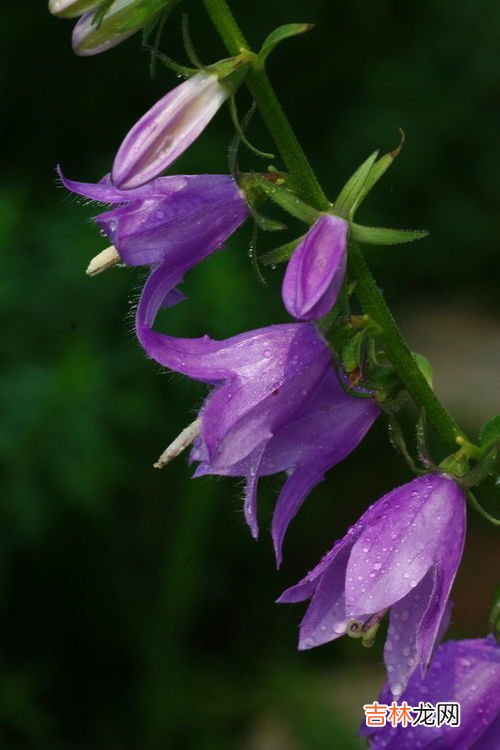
point(136, 612)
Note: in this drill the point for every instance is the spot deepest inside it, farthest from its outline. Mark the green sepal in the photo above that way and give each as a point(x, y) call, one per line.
point(76, 8)
point(486, 500)
point(489, 437)
point(383, 236)
point(349, 194)
point(376, 172)
point(279, 35)
point(424, 366)
point(351, 353)
point(265, 223)
point(287, 200)
point(494, 618)
point(280, 254)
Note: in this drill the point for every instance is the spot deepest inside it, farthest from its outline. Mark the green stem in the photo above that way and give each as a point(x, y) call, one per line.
point(270, 108)
point(397, 350)
point(367, 290)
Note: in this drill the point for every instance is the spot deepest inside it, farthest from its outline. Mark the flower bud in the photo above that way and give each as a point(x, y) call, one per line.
point(166, 131)
point(316, 270)
point(122, 19)
point(72, 8)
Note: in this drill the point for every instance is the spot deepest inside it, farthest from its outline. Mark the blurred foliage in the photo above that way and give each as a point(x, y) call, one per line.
point(136, 612)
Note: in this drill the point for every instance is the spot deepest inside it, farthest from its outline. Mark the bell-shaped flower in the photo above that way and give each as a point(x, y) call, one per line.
point(316, 270)
point(72, 8)
point(277, 404)
point(181, 215)
point(466, 673)
point(401, 555)
point(167, 129)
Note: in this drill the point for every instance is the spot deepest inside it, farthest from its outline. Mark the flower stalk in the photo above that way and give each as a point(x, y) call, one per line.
point(309, 189)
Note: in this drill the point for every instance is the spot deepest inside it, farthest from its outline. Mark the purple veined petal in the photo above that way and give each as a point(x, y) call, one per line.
point(295, 490)
point(325, 619)
point(102, 191)
point(401, 653)
point(489, 739)
point(191, 221)
point(405, 532)
point(305, 588)
point(467, 672)
point(282, 367)
point(167, 129)
point(316, 270)
point(250, 502)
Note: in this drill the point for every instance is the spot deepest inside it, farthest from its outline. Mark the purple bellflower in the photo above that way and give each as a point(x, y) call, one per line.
point(316, 270)
point(276, 404)
point(464, 672)
point(188, 216)
point(401, 555)
point(167, 129)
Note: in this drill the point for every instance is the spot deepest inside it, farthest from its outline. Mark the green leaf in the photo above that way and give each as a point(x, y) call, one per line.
point(383, 236)
point(287, 200)
point(490, 434)
point(279, 35)
point(349, 194)
point(280, 254)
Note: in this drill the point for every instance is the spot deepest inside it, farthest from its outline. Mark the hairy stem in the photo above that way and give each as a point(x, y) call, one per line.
point(367, 290)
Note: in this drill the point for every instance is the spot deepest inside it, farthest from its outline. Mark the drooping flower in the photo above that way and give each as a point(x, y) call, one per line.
point(277, 404)
point(167, 129)
point(182, 215)
point(93, 35)
point(464, 672)
point(316, 270)
point(72, 8)
point(401, 555)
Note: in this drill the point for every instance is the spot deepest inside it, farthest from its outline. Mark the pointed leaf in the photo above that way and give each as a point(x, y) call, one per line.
point(287, 200)
point(278, 35)
point(280, 254)
point(383, 236)
point(376, 172)
point(348, 195)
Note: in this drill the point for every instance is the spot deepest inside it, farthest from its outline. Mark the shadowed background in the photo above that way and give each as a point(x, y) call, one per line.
point(136, 612)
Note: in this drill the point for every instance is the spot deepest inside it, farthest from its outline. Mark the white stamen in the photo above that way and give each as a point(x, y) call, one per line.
point(181, 442)
point(106, 259)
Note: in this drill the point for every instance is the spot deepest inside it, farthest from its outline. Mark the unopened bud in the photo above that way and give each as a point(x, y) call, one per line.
point(72, 8)
point(93, 34)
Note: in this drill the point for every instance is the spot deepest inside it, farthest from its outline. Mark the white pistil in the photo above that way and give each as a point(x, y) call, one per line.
point(106, 259)
point(181, 442)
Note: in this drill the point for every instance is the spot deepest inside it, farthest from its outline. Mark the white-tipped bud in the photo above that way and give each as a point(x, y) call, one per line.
point(104, 260)
point(181, 442)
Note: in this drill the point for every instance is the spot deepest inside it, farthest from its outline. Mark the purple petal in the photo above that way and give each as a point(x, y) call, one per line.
point(88, 39)
point(295, 490)
point(316, 271)
point(467, 672)
point(401, 654)
point(405, 533)
point(250, 502)
point(194, 219)
point(305, 588)
point(325, 619)
point(167, 129)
